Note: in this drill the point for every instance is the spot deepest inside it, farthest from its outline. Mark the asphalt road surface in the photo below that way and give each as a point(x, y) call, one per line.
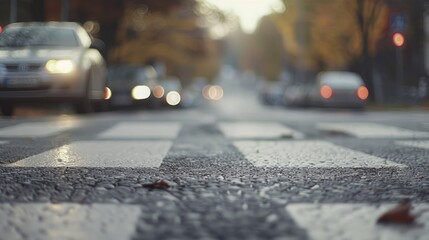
point(236, 170)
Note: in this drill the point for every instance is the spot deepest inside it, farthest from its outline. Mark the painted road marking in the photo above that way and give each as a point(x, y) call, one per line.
point(3, 142)
point(142, 130)
point(68, 221)
point(318, 154)
point(135, 154)
point(354, 221)
point(371, 130)
point(257, 130)
point(416, 144)
point(37, 129)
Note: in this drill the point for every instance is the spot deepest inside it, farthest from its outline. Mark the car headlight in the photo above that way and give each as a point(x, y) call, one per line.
point(60, 66)
point(140, 92)
point(173, 98)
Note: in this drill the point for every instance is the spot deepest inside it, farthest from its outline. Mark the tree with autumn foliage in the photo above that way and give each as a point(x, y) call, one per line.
point(268, 49)
point(332, 34)
point(171, 35)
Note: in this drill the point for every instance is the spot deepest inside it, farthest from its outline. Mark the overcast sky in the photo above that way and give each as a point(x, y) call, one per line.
point(249, 11)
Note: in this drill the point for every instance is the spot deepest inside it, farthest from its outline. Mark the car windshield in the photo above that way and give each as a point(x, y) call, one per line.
point(38, 36)
point(341, 80)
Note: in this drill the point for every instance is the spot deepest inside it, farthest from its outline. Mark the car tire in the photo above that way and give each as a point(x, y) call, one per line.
point(7, 110)
point(101, 106)
point(84, 105)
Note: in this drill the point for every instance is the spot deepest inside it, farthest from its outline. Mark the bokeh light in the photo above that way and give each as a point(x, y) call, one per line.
point(107, 93)
point(213, 92)
point(363, 93)
point(326, 92)
point(158, 91)
point(140, 92)
point(173, 98)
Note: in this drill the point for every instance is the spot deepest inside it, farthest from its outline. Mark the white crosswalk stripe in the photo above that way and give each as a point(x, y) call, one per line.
point(37, 129)
point(416, 144)
point(101, 154)
point(257, 130)
point(68, 221)
point(355, 221)
point(142, 130)
point(3, 142)
point(299, 154)
point(371, 130)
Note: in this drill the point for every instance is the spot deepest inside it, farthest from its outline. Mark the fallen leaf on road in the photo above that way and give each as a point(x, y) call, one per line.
point(157, 185)
point(400, 214)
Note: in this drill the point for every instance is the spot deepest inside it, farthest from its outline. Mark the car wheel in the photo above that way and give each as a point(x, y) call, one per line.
point(84, 105)
point(100, 106)
point(7, 109)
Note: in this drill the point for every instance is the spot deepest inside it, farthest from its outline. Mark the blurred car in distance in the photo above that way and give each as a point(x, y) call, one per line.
point(330, 89)
point(50, 61)
point(130, 85)
point(338, 89)
point(272, 92)
point(192, 95)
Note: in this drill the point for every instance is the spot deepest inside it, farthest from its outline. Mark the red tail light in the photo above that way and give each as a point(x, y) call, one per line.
point(362, 93)
point(107, 93)
point(326, 92)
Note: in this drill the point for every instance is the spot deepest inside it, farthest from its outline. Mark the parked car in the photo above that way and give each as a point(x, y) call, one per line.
point(330, 89)
point(131, 85)
point(272, 92)
point(338, 89)
point(295, 95)
point(54, 61)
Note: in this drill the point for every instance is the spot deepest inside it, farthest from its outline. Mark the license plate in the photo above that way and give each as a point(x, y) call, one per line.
point(22, 82)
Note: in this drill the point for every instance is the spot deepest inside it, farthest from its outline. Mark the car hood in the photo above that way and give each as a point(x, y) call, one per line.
point(38, 54)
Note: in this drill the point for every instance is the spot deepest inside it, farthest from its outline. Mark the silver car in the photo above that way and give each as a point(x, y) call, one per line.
point(329, 89)
point(338, 89)
point(50, 61)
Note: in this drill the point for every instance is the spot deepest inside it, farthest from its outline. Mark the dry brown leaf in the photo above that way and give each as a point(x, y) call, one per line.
point(400, 214)
point(157, 185)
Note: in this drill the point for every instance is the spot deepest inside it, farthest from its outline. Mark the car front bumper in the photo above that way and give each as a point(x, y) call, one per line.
point(41, 86)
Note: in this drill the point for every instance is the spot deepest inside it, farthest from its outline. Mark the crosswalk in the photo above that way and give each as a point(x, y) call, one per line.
point(301, 154)
point(355, 221)
point(114, 221)
point(104, 154)
point(68, 221)
point(372, 130)
point(415, 144)
point(141, 130)
point(147, 144)
point(37, 129)
point(263, 144)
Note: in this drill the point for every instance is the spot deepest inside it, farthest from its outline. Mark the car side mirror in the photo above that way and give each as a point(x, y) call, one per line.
point(98, 44)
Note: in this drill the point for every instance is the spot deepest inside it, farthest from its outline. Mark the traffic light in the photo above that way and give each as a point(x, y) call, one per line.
point(1, 29)
point(398, 39)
